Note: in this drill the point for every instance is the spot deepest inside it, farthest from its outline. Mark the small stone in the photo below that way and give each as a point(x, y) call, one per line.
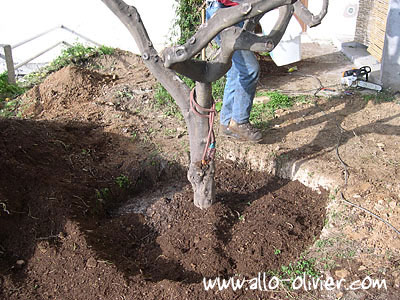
point(20, 262)
point(343, 273)
point(91, 263)
point(397, 282)
point(379, 207)
point(381, 146)
point(362, 268)
point(393, 204)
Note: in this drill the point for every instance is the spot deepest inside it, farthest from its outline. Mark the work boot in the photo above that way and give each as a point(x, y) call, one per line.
point(225, 131)
point(245, 131)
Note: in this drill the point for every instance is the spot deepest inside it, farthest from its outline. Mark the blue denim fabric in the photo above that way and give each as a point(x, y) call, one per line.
point(241, 81)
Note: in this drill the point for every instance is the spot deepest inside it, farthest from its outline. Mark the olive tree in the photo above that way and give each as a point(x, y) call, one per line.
point(197, 105)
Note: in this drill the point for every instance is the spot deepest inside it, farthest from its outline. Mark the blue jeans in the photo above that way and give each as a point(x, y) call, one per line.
point(241, 81)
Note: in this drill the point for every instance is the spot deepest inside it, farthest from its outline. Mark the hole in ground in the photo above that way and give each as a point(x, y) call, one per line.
point(258, 224)
point(49, 181)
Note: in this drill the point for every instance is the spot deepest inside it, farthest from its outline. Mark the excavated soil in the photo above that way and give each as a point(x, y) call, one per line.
point(95, 204)
point(60, 241)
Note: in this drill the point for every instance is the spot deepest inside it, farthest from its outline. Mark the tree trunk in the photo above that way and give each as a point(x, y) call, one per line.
point(201, 172)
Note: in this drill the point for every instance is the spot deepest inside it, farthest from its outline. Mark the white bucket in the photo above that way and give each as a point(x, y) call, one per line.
point(288, 50)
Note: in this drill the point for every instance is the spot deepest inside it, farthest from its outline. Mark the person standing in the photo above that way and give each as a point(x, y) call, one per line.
point(240, 87)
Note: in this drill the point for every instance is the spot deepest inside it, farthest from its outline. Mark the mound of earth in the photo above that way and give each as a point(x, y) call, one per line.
point(64, 89)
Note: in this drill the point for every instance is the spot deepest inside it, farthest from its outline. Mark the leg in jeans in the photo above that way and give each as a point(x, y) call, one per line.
point(240, 87)
point(241, 81)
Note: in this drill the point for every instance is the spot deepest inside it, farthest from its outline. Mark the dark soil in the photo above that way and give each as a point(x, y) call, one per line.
point(59, 238)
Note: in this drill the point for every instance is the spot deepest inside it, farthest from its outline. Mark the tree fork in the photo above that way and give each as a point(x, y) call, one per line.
point(180, 59)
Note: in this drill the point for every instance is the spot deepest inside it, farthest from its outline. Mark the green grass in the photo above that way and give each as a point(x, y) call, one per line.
point(165, 102)
point(300, 268)
point(379, 97)
point(78, 54)
point(262, 113)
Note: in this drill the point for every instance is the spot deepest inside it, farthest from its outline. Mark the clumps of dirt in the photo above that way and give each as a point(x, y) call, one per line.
point(58, 183)
point(258, 224)
point(64, 89)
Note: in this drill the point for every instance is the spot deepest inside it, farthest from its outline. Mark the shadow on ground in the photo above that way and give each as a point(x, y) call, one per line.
point(58, 185)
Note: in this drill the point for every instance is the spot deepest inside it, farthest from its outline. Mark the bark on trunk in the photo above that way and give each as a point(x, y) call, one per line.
point(201, 173)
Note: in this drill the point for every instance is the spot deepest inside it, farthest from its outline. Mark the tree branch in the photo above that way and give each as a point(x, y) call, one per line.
point(235, 38)
point(222, 19)
point(307, 17)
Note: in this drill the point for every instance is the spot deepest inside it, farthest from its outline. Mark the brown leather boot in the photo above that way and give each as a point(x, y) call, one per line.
point(225, 131)
point(245, 132)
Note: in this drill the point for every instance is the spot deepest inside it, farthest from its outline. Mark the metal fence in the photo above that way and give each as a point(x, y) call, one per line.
point(11, 67)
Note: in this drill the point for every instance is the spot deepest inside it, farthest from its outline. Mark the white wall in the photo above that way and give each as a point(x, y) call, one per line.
point(339, 23)
point(22, 19)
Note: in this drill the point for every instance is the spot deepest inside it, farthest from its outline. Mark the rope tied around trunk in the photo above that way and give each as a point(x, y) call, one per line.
point(209, 149)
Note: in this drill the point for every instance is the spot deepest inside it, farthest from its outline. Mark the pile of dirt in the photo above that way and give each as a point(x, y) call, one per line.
point(66, 88)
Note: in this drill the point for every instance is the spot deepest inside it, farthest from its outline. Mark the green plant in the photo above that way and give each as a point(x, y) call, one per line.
point(260, 115)
point(134, 135)
point(277, 251)
point(103, 195)
point(322, 243)
point(302, 266)
point(278, 100)
point(379, 97)
point(218, 88)
point(166, 103)
point(123, 182)
point(8, 91)
point(264, 53)
point(76, 54)
point(9, 108)
point(124, 94)
point(188, 18)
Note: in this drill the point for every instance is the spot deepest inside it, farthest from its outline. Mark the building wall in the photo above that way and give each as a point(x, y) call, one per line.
point(363, 25)
point(339, 23)
point(22, 19)
point(377, 28)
